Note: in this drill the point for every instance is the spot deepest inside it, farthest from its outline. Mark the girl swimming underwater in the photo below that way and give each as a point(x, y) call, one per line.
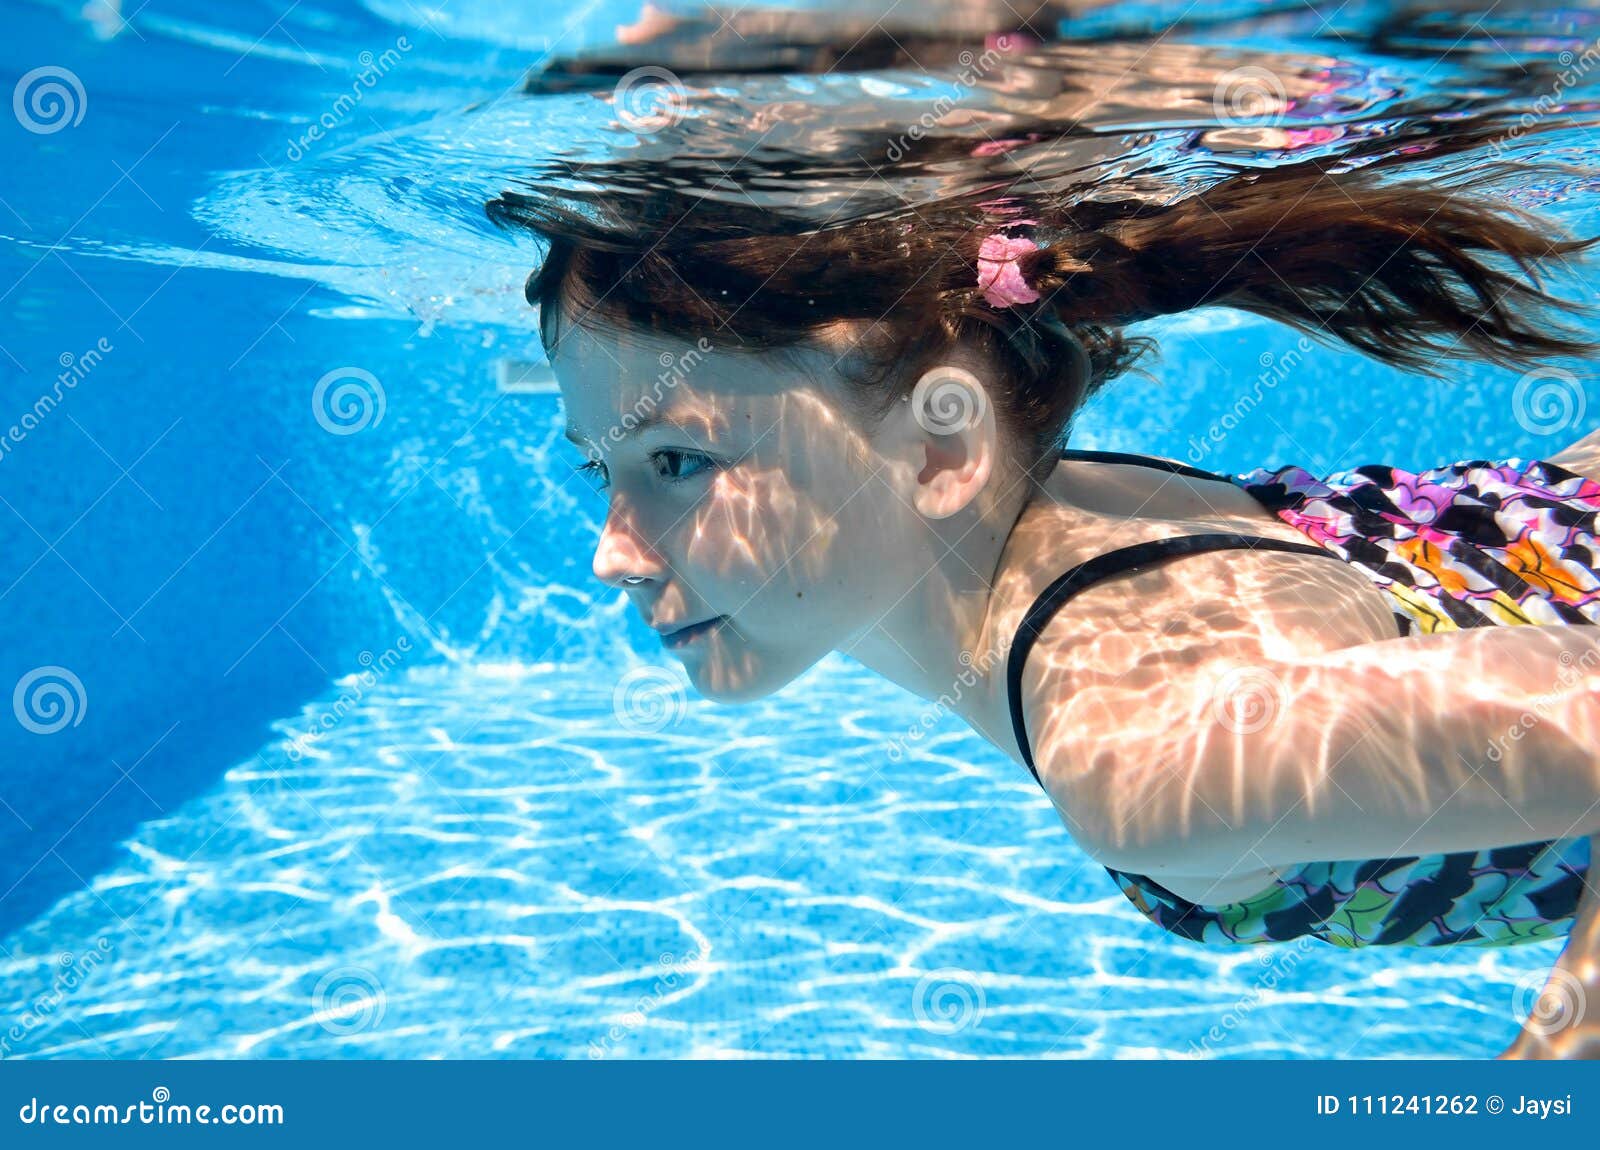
point(857, 449)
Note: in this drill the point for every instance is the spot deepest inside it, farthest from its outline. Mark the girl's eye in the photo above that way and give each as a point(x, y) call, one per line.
point(595, 472)
point(670, 458)
point(671, 453)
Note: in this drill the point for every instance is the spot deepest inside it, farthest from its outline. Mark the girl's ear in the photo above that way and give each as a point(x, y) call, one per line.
point(946, 433)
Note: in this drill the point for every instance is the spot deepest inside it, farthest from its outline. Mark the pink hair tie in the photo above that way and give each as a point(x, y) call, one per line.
point(999, 276)
point(998, 147)
point(1011, 41)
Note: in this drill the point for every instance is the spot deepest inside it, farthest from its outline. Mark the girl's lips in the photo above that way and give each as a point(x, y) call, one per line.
point(690, 634)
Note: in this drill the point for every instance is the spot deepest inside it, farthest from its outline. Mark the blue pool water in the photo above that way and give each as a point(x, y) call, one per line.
point(348, 754)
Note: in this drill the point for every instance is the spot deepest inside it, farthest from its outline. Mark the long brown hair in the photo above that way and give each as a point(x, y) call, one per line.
point(1408, 273)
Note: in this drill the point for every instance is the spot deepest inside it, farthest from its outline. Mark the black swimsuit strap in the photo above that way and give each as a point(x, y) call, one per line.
point(1100, 567)
point(1147, 460)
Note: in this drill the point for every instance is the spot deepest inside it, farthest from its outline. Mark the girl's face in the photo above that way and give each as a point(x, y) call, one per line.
point(740, 491)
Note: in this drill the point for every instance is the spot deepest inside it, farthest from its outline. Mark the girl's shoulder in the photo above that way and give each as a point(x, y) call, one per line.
point(1133, 653)
point(1316, 601)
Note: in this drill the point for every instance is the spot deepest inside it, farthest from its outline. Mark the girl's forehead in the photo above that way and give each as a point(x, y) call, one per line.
point(603, 371)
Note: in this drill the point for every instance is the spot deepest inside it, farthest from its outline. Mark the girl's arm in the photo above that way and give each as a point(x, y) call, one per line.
point(1460, 740)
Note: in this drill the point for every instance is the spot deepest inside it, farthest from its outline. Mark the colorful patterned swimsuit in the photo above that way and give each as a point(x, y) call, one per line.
point(1472, 544)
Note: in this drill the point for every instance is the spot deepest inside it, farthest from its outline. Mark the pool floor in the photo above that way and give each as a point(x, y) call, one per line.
point(561, 862)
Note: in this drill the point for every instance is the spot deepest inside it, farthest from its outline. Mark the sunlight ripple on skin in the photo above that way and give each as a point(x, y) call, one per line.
point(808, 535)
point(1354, 703)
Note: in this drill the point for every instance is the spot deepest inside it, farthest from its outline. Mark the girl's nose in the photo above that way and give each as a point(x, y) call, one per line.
point(623, 557)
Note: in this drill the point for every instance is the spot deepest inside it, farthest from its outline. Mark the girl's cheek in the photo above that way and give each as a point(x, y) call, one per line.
point(754, 518)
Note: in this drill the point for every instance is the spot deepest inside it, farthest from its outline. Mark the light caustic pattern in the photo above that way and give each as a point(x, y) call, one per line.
point(482, 864)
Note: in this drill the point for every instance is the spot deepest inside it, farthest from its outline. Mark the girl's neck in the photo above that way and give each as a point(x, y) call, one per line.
point(948, 639)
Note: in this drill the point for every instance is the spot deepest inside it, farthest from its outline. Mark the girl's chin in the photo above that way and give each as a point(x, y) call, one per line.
point(740, 678)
